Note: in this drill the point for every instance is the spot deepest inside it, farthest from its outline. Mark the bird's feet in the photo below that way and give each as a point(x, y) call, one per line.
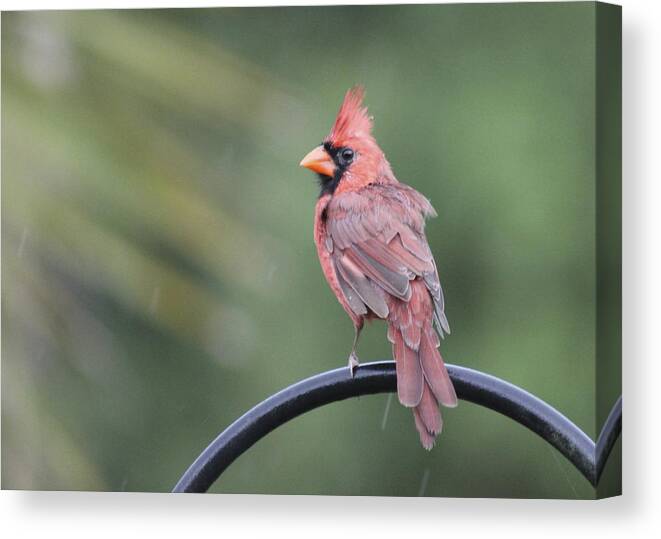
point(353, 362)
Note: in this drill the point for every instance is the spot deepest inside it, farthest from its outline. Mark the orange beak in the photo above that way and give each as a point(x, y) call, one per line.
point(319, 161)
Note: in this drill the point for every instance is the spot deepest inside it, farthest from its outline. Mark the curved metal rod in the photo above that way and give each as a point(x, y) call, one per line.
point(607, 437)
point(380, 377)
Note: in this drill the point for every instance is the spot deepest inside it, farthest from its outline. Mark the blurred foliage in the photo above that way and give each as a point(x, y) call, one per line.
point(159, 276)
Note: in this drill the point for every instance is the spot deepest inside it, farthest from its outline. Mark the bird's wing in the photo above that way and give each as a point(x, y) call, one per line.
point(377, 243)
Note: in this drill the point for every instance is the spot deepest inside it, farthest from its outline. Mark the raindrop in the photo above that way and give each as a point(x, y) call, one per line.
point(386, 412)
point(21, 245)
point(423, 483)
point(155, 298)
point(271, 273)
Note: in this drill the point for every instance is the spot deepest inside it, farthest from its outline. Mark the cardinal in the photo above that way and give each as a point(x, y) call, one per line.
point(370, 238)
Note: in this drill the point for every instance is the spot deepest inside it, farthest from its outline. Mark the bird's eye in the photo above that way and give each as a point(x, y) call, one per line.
point(346, 155)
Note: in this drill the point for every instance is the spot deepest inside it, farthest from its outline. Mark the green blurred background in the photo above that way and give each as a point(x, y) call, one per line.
point(158, 272)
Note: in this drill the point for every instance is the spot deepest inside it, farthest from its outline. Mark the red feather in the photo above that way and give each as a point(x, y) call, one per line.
point(369, 233)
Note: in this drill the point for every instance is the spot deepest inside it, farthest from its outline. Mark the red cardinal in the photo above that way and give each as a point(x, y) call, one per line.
point(369, 232)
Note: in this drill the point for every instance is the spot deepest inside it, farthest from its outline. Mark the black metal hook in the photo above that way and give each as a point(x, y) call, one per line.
point(379, 377)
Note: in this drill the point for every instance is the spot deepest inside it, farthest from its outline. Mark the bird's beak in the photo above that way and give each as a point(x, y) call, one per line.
point(319, 161)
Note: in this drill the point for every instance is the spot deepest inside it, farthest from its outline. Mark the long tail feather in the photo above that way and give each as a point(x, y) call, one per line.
point(434, 369)
point(429, 412)
point(422, 379)
point(410, 379)
point(426, 439)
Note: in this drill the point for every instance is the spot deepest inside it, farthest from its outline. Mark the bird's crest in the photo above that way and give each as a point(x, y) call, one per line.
point(352, 119)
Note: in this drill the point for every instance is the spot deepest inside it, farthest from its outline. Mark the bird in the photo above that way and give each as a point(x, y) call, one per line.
point(369, 232)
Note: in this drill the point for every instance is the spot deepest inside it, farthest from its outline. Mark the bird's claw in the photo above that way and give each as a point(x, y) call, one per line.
point(353, 363)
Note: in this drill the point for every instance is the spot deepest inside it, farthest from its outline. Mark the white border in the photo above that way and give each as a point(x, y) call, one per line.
point(636, 514)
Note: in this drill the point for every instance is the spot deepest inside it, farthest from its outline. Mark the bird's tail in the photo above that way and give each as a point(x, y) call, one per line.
point(422, 379)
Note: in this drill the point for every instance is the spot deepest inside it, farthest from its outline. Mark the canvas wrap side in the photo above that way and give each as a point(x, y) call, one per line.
point(608, 133)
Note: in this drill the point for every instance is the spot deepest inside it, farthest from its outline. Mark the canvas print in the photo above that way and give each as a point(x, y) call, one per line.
point(339, 250)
